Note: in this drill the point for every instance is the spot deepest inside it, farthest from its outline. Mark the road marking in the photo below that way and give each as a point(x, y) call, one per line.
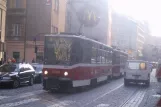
point(19, 103)
point(3, 97)
point(62, 104)
point(157, 96)
point(136, 99)
point(103, 105)
point(103, 95)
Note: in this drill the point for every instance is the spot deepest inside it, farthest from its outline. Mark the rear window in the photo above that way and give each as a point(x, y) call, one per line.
point(137, 65)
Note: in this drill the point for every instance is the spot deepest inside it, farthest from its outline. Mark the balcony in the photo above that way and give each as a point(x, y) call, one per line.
point(14, 38)
point(16, 12)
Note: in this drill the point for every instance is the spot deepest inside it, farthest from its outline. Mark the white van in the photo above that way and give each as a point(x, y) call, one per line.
point(137, 71)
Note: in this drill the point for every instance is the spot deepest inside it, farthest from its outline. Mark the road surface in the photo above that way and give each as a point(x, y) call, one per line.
point(111, 94)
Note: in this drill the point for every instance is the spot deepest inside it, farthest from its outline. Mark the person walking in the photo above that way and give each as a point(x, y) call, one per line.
point(13, 60)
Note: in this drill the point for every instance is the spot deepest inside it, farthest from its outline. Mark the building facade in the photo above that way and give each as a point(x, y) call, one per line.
point(127, 34)
point(2, 28)
point(91, 18)
point(152, 48)
point(27, 22)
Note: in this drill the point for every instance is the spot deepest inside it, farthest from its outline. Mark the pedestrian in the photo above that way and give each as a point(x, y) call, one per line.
point(9, 61)
point(13, 60)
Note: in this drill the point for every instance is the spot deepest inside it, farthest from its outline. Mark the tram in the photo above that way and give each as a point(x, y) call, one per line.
point(119, 61)
point(72, 61)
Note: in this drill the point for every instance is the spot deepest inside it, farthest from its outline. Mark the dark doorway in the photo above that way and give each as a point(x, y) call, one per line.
point(16, 55)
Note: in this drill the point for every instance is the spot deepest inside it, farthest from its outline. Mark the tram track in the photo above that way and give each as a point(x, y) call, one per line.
point(134, 98)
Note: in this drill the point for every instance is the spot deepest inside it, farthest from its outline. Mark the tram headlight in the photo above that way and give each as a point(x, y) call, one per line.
point(45, 72)
point(65, 73)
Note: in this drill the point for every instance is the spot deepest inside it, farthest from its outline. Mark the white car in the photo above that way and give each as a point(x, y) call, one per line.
point(137, 71)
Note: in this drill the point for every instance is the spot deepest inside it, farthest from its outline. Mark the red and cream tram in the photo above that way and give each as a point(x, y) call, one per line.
point(118, 61)
point(75, 61)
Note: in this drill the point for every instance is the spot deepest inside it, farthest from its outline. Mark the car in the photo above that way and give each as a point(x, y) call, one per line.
point(17, 74)
point(38, 72)
point(137, 71)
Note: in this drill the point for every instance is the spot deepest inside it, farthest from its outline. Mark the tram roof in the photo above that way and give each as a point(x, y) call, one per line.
point(76, 36)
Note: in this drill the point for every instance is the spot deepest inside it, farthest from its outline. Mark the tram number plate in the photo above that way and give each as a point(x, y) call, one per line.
point(55, 72)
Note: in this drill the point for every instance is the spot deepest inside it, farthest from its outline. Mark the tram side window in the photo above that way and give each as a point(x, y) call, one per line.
point(76, 52)
point(87, 50)
point(116, 58)
point(94, 55)
point(49, 57)
point(108, 58)
point(103, 57)
point(111, 57)
point(99, 55)
point(121, 59)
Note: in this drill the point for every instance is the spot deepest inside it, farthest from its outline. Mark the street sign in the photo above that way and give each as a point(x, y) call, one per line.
point(88, 15)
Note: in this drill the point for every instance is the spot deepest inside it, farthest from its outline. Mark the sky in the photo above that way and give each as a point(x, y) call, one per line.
point(149, 10)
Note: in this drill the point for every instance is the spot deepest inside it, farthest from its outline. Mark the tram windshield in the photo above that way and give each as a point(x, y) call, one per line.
point(62, 51)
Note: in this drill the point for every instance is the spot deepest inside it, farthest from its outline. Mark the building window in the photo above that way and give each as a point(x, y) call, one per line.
point(56, 6)
point(18, 4)
point(16, 55)
point(16, 29)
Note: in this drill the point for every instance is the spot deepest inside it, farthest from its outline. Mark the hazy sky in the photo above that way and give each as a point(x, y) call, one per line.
point(149, 10)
